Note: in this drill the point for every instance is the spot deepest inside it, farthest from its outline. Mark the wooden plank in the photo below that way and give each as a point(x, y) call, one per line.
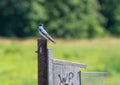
point(42, 62)
point(66, 74)
point(50, 67)
point(63, 62)
point(63, 72)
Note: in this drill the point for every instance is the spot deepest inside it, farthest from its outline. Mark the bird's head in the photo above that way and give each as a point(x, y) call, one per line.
point(40, 25)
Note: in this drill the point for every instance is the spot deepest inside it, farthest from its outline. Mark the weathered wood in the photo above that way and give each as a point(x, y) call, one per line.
point(63, 72)
point(50, 67)
point(63, 62)
point(56, 72)
point(42, 62)
point(67, 73)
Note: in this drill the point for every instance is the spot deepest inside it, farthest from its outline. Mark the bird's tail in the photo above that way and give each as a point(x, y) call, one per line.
point(50, 38)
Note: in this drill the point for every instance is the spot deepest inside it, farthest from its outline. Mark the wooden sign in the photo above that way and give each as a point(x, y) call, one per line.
point(64, 72)
point(56, 72)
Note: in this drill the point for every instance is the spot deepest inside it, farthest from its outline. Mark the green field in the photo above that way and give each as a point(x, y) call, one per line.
point(18, 60)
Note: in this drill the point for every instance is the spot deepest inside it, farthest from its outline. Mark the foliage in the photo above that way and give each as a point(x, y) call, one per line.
point(13, 19)
point(18, 18)
point(62, 18)
point(111, 10)
point(78, 18)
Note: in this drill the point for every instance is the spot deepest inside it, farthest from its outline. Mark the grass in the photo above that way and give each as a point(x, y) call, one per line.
point(18, 60)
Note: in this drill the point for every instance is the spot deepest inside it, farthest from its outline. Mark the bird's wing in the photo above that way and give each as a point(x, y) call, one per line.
point(43, 30)
point(50, 38)
point(46, 35)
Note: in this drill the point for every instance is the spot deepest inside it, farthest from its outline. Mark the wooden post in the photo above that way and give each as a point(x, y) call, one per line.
point(42, 62)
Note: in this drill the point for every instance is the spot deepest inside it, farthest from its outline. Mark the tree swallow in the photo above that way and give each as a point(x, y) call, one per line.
point(44, 33)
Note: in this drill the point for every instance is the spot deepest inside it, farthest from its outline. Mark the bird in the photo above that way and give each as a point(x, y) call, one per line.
point(44, 33)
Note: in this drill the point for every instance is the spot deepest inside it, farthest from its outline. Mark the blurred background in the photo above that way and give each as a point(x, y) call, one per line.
point(86, 31)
